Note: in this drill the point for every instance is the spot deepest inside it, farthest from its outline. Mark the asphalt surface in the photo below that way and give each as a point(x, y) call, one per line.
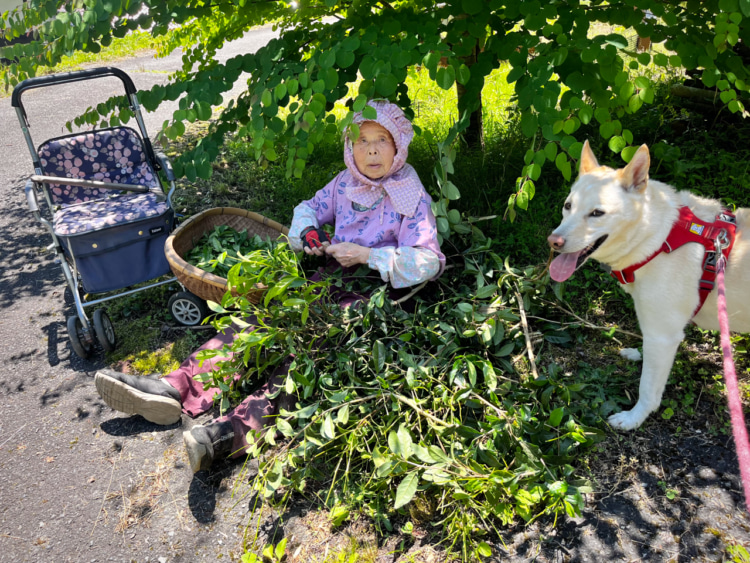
point(79, 482)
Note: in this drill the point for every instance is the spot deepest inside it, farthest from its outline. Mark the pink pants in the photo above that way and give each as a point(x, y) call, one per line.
point(257, 410)
point(252, 414)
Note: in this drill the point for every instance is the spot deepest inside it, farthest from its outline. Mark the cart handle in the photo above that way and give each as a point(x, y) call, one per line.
point(75, 76)
point(89, 183)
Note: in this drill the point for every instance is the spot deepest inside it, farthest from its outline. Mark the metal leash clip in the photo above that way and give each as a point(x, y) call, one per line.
point(720, 243)
point(722, 240)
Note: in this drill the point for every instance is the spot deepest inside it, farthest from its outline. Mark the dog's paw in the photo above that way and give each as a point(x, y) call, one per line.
point(631, 354)
point(625, 420)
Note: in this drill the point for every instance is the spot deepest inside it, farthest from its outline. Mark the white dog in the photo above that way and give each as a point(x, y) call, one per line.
point(621, 218)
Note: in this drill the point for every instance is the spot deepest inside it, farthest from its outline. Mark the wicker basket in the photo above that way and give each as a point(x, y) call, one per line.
point(206, 285)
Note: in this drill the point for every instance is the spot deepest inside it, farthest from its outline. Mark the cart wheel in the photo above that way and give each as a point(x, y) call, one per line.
point(105, 332)
point(79, 340)
point(187, 309)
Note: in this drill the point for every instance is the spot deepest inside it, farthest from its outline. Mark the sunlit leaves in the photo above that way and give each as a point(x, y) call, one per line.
point(567, 73)
point(412, 418)
point(406, 489)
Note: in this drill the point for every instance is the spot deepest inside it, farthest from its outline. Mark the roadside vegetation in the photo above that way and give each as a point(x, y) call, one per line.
point(485, 409)
point(442, 423)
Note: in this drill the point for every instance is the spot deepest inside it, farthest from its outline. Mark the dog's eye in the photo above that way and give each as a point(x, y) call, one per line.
point(567, 206)
point(596, 213)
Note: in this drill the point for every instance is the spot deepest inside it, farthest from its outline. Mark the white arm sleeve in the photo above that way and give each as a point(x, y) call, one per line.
point(405, 266)
point(304, 217)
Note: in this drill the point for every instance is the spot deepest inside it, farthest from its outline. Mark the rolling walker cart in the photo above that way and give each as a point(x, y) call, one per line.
point(103, 203)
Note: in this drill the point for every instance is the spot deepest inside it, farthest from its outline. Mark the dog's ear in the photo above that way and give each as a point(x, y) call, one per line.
point(588, 160)
point(634, 176)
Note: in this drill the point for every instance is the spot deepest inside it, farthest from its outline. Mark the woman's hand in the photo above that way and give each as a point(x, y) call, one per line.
point(348, 253)
point(318, 250)
point(314, 240)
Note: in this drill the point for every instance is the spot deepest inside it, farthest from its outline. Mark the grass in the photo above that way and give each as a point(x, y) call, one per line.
point(132, 44)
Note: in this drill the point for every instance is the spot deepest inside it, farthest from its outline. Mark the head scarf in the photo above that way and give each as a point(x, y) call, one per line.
point(401, 183)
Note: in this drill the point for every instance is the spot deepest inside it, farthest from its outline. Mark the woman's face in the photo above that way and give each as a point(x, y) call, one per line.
point(374, 150)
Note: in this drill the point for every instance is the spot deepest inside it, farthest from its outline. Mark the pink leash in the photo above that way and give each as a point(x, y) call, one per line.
point(739, 430)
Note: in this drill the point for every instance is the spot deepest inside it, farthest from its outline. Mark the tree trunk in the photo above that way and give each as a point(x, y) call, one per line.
point(474, 134)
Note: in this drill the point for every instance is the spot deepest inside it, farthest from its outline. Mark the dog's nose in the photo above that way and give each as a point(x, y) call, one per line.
point(556, 241)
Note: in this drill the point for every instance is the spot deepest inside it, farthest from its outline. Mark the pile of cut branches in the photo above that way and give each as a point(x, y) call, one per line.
point(410, 415)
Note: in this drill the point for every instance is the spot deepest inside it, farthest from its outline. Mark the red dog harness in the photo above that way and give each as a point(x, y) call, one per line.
point(688, 228)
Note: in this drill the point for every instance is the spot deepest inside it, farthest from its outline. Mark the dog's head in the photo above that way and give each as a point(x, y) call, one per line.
point(603, 207)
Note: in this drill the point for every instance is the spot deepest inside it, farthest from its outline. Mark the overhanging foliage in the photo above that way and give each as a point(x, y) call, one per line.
point(566, 74)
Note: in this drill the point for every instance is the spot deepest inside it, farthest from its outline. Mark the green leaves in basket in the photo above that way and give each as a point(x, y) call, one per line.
point(221, 248)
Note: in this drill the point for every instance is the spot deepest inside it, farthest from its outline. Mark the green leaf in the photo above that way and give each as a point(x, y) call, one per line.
point(266, 98)
point(327, 429)
point(327, 59)
point(386, 84)
point(370, 112)
point(446, 77)
point(450, 191)
point(490, 378)
point(404, 441)
point(484, 549)
point(616, 144)
point(529, 123)
point(628, 153)
point(344, 59)
point(555, 417)
point(443, 225)
point(634, 103)
point(284, 427)
point(270, 154)
point(406, 489)
point(359, 103)
point(563, 165)
point(342, 416)
point(463, 74)
point(431, 61)
point(378, 355)
point(485, 292)
point(339, 514)
point(550, 151)
point(607, 129)
point(585, 114)
point(308, 411)
point(292, 87)
point(727, 96)
point(617, 40)
point(280, 549)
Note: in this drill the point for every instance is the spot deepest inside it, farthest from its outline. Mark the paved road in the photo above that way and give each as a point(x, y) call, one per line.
point(71, 470)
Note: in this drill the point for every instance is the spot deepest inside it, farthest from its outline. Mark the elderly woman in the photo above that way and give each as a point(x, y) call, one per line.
point(382, 218)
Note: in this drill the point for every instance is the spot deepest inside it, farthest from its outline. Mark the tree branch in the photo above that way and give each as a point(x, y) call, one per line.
point(525, 325)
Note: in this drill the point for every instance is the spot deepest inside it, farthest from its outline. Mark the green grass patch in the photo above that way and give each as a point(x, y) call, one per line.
point(132, 44)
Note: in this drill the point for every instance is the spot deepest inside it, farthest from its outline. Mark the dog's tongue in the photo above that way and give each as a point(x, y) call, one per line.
point(563, 266)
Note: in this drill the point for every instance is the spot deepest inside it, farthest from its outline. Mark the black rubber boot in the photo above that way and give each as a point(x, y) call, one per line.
point(153, 399)
point(206, 443)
